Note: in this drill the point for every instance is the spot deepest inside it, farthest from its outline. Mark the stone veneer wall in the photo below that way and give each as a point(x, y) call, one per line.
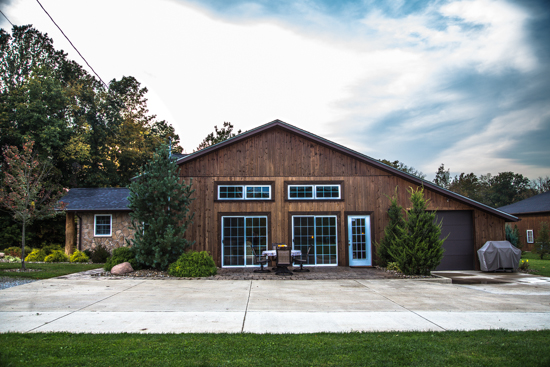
point(119, 233)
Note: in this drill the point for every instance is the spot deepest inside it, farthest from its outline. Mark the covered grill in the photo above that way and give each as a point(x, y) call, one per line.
point(498, 255)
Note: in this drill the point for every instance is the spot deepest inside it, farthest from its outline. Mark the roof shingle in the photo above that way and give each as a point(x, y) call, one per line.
point(112, 198)
point(534, 204)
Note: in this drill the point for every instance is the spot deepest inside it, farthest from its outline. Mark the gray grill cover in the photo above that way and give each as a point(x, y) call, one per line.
point(498, 255)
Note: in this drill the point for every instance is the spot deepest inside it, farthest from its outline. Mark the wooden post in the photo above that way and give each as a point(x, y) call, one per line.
point(70, 234)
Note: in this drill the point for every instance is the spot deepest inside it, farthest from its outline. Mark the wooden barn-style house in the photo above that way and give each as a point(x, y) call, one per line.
point(280, 184)
point(532, 212)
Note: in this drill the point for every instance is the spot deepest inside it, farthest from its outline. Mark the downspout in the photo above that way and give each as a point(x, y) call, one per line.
point(79, 231)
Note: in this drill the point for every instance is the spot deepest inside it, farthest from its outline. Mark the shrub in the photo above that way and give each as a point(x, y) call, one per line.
point(79, 257)
point(36, 255)
point(393, 266)
point(100, 254)
point(524, 265)
point(56, 257)
point(49, 249)
point(88, 253)
point(13, 251)
point(12, 259)
point(193, 264)
point(122, 255)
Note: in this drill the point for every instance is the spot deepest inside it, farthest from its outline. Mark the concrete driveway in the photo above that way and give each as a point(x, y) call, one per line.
point(273, 306)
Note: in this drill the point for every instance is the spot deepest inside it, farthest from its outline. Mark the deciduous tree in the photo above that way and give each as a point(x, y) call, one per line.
point(27, 194)
point(218, 136)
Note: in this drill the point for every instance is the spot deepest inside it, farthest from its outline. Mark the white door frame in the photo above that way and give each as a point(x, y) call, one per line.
point(366, 259)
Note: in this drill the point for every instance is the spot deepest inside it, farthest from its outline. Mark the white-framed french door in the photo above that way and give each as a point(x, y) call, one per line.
point(239, 234)
point(321, 231)
point(359, 240)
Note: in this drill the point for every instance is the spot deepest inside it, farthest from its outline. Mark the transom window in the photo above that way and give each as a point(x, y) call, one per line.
point(244, 192)
point(297, 192)
point(239, 235)
point(102, 225)
point(319, 231)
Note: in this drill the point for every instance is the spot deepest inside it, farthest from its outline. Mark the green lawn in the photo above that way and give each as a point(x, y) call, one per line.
point(541, 267)
point(47, 270)
point(477, 348)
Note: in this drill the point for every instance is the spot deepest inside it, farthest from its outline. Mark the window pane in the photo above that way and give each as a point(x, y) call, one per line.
point(103, 225)
point(239, 235)
point(325, 192)
point(326, 241)
point(304, 231)
point(300, 192)
point(257, 192)
point(230, 192)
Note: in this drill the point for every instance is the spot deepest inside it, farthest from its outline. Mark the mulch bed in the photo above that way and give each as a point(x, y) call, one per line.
point(316, 273)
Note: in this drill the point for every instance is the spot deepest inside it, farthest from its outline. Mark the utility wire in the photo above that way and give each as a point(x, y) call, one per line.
point(6, 18)
point(71, 44)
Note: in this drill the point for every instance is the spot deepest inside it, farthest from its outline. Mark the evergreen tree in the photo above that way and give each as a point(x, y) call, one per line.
point(395, 213)
point(226, 132)
point(512, 236)
point(160, 208)
point(417, 248)
point(542, 243)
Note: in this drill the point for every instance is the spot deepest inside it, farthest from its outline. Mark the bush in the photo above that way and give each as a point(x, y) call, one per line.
point(542, 242)
point(393, 266)
point(524, 265)
point(512, 236)
point(49, 249)
point(13, 251)
point(36, 255)
point(79, 257)
point(88, 253)
point(12, 259)
point(99, 255)
point(193, 264)
point(56, 257)
point(122, 255)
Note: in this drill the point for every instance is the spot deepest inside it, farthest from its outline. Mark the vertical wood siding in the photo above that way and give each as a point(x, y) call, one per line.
point(530, 221)
point(278, 155)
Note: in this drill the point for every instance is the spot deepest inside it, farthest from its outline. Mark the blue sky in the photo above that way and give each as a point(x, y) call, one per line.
point(465, 83)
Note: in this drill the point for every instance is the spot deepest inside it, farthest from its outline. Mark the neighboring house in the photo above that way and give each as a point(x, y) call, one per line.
point(532, 212)
point(280, 184)
point(103, 218)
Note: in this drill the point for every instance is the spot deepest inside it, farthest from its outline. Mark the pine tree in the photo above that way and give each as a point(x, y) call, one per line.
point(512, 236)
point(395, 213)
point(160, 208)
point(417, 248)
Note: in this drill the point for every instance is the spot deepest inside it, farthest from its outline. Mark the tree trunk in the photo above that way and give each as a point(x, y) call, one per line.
point(23, 248)
point(70, 233)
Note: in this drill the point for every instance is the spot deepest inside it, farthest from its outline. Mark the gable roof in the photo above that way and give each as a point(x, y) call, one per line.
point(535, 204)
point(112, 199)
point(350, 152)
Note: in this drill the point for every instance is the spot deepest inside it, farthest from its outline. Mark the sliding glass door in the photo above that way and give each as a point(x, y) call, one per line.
point(239, 234)
point(319, 231)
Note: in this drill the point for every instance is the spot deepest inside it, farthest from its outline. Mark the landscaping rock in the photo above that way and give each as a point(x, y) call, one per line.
point(122, 269)
point(1, 255)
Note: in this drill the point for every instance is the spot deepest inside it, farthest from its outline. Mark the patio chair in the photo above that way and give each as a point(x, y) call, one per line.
point(258, 260)
point(302, 260)
point(284, 260)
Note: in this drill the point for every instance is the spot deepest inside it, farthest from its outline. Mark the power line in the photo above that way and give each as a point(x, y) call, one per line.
point(71, 44)
point(6, 18)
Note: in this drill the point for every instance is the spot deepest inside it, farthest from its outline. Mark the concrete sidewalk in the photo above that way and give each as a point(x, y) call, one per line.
point(274, 306)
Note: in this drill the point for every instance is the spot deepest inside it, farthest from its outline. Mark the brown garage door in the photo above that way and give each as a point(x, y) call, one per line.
point(459, 246)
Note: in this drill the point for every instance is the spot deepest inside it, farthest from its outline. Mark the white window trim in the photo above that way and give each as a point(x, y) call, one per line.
point(315, 192)
point(110, 225)
point(245, 217)
point(530, 237)
point(315, 235)
point(244, 192)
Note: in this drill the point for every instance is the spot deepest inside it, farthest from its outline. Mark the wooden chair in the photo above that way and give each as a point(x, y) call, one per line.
point(302, 261)
point(258, 260)
point(284, 260)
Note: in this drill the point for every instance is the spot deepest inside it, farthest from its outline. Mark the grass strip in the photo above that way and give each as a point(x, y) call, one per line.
point(541, 267)
point(475, 348)
point(47, 270)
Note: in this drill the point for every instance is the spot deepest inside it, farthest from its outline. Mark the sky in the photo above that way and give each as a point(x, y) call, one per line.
point(465, 83)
